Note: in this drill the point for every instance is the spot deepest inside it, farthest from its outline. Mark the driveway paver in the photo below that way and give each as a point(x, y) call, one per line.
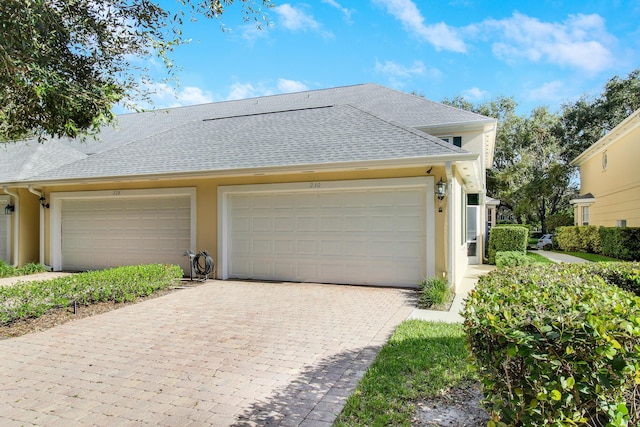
point(224, 353)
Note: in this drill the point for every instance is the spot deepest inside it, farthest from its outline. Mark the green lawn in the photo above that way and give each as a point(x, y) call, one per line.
point(538, 259)
point(420, 360)
point(590, 257)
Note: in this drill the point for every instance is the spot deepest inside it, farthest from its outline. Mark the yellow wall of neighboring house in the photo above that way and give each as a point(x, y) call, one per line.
point(611, 174)
point(207, 203)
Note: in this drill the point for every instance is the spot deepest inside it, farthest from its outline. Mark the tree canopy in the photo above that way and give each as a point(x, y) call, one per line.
point(531, 175)
point(65, 63)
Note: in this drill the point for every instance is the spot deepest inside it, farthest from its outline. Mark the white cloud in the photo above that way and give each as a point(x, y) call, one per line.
point(252, 90)
point(296, 19)
point(288, 86)
point(399, 74)
point(246, 90)
point(440, 35)
point(475, 94)
point(394, 69)
point(166, 96)
point(580, 41)
point(550, 92)
point(251, 33)
point(346, 12)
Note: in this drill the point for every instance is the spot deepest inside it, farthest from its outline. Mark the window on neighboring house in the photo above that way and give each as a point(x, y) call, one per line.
point(585, 215)
point(455, 140)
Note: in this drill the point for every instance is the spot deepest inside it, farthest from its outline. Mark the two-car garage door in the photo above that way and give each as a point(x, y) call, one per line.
point(360, 232)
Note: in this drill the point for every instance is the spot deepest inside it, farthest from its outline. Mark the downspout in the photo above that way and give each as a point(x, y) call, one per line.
point(451, 246)
point(16, 225)
point(41, 245)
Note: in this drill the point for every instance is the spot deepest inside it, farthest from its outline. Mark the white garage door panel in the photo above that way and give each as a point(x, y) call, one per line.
point(101, 233)
point(5, 225)
point(375, 236)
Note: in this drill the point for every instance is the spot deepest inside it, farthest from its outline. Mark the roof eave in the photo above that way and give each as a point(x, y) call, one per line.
point(628, 125)
point(435, 160)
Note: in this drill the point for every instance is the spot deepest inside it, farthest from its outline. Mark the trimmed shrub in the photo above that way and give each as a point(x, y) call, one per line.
point(32, 299)
point(579, 239)
point(568, 239)
point(511, 259)
point(8, 271)
point(590, 238)
point(620, 242)
point(434, 291)
point(558, 344)
point(507, 238)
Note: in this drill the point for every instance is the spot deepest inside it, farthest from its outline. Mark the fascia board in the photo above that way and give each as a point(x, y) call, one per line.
point(307, 168)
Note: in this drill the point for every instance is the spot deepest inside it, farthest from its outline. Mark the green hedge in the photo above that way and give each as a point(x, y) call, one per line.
point(507, 238)
point(579, 239)
point(621, 242)
point(558, 344)
point(32, 299)
point(511, 259)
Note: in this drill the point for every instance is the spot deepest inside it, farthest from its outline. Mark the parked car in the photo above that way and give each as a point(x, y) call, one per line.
point(544, 240)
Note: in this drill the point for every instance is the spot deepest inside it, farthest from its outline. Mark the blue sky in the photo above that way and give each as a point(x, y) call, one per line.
point(543, 53)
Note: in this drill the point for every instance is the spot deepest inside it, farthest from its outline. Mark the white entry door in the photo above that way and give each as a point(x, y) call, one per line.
point(371, 236)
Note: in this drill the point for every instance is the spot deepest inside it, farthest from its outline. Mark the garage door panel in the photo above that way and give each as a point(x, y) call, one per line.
point(307, 247)
point(375, 236)
point(284, 247)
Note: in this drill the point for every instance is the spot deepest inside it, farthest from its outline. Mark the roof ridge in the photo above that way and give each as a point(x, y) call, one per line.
point(255, 98)
point(262, 113)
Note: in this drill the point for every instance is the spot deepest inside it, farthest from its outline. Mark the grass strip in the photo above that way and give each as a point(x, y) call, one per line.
point(538, 259)
point(590, 257)
point(420, 360)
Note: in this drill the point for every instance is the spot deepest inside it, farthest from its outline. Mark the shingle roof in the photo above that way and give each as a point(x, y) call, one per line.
point(409, 110)
point(24, 159)
point(354, 123)
point(312, 136)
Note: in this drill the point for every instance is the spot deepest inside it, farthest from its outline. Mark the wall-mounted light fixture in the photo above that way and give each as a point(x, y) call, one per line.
point(441, 189)
point(9, 209)
point(43, 202)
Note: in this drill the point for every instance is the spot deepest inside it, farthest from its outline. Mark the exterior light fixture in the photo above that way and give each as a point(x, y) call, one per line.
point(43, 202)
point(9, 209)
point(441, 189)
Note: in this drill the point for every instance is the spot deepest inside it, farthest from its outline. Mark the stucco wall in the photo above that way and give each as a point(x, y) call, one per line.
point(206, 200)
point(616, 187)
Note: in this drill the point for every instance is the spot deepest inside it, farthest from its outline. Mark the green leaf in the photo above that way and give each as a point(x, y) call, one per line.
point(555, 395)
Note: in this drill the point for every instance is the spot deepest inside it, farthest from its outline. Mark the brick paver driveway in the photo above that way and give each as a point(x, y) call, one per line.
point(224, 353)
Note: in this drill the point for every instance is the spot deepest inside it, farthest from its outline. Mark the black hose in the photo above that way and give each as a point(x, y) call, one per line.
point(203, 263)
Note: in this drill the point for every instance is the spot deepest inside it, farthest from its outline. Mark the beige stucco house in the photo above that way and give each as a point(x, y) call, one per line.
point(329, 186)
point(609, 180)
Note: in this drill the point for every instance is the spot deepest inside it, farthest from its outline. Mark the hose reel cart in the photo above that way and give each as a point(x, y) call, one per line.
point(201, 263)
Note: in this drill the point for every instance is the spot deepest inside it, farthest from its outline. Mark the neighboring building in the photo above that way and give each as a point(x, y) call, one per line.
point(609, 180)
point(330, 186)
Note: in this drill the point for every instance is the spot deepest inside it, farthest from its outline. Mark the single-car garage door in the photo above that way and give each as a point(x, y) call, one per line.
point(124, 230)
point(373, 233)
point(5, 224)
